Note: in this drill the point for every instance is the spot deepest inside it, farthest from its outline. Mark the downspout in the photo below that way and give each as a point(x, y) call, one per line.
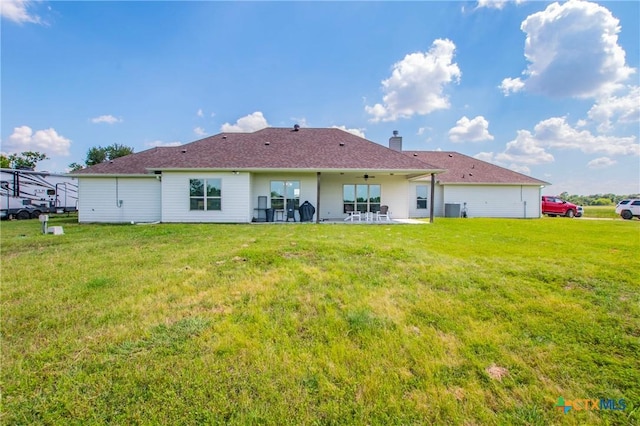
point(318, 197)
point(118, 200)
point(433, 191)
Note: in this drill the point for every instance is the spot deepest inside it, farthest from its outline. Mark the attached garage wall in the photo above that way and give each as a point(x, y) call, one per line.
point(98, 199)
point(236, 204)
point(495, 201)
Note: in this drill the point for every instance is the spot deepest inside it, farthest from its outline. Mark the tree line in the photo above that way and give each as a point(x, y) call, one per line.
point(596, 199)
point(99, 154)
point(27, 160)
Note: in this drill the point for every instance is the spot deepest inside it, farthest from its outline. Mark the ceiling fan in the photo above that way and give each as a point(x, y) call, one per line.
point(366, 177)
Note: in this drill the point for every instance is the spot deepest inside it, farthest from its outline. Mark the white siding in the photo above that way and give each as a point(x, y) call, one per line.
point(438, 205)
point(147, 199)
point(394, 191)
point(495, 201)
point(236, 204)
point(98, 199)
point(261, 185)
point(412, 199)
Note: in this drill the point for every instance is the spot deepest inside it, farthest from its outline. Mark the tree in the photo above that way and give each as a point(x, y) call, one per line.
point(26, 160)
point(75, 166)
point(4, 162)
point(117, 150)
point(97, 155)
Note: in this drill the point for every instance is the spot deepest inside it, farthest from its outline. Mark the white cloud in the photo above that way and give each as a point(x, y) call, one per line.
point(200, 131)
point(417, 83)
point(161, 143)
point(357, 132)
point(200, 113)
point(484, 156)
point(524, 150)
point(302, 121)
point(496, 4)
point(109, 119)
point(624, 109)
point(557, 133)
point(572, 51)
point(582, 123)
point(511, 85)
point(520, 169)
point(601, 163)
point(250, 123)
point(47, 141)
point(476, 130)
point(17, 11)
point(531, 148)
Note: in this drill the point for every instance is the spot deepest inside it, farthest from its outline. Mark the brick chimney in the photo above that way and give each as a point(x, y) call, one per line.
point(395, 142)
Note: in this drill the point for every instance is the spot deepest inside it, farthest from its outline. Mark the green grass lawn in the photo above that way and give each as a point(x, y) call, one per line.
point(608, 212)
point(464, 321)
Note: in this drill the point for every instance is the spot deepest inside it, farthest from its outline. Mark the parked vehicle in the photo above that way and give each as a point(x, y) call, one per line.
point(25, 194)
point(628, 208)
point(579, 211)
point(554, 206)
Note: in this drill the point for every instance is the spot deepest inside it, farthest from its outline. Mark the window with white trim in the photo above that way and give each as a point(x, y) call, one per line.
point(421, 196)
point(362, 198)
point(205, 194)
point(285, 193)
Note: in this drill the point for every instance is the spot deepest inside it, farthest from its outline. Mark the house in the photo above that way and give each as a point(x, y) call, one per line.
point(234, 177)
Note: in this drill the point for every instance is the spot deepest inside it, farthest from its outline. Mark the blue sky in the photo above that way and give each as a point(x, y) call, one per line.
point(551, 90)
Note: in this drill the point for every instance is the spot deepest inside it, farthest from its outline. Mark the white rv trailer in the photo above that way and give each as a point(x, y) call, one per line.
point(25, 194)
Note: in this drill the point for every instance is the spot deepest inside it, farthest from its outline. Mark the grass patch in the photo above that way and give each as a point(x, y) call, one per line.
point(475, 321)
point(601, 212)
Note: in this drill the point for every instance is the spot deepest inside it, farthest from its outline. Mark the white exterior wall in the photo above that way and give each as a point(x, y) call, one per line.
point(394, 191)
point(148, 199)
point(236, 203)
point(414, 211)
point(98, 199)
point(438, 204)
point(495, 201)
point(261, 185)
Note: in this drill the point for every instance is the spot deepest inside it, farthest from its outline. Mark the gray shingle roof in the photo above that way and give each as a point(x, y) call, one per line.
point(270, 148)
point(462, 169)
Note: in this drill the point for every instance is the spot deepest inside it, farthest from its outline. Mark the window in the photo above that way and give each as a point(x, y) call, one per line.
point(285, 193)
point(362, 198)
point(205, 194)
point(421, 197)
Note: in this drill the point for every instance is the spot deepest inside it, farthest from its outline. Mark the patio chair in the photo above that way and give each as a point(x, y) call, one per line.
point(383, 214)
point(352, 214)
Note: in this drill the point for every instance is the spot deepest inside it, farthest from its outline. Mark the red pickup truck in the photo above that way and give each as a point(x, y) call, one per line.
point(554, 206)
